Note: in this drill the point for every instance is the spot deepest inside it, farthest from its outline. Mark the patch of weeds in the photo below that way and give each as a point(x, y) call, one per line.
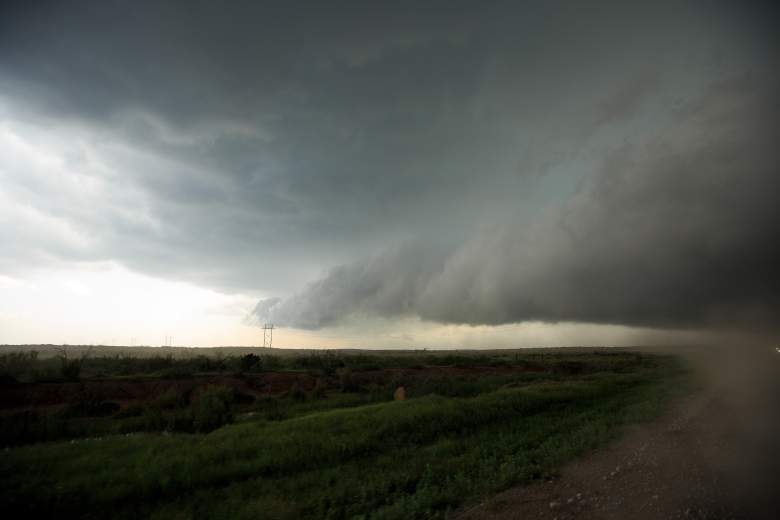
point(212, 408)
point(296, 393)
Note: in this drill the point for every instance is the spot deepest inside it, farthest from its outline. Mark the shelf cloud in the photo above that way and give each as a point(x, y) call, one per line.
point(442, 161)
point(677, 230)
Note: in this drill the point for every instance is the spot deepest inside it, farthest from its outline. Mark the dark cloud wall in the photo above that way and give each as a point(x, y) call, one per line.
point(675, 230)
point(462, 162)
point(678, 229)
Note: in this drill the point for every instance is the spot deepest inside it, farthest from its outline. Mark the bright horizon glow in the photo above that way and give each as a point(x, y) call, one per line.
point(106, 304)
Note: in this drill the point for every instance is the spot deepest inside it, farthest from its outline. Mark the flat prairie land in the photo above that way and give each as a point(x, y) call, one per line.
point(308, 434)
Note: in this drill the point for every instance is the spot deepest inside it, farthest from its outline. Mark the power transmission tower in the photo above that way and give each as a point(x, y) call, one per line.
point(268, 334)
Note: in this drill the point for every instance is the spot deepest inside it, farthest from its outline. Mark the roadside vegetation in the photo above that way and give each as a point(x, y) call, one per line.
point(315, 435)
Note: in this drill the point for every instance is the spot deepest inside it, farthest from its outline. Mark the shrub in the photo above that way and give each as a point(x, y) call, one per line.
point(14, 365)
point(212, 408)
point(319, 390)
point(378, 393)
point(178, 372)
point(131, 410)
point(249, 362)
point(272, 408)
point(70, 369)
point(174, 397)
point(271, 362)
point(153, 419)
point(89, 403)
point(572, 367)
point(240, 398)
point(7, 380)
point(347, 381)
point(180, 422)
point(296, 393)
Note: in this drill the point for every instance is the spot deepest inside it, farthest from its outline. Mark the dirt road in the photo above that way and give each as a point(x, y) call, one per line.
point(714, 455)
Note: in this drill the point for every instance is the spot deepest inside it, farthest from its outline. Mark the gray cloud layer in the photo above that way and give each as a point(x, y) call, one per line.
point(251, 147)
point(676, 230)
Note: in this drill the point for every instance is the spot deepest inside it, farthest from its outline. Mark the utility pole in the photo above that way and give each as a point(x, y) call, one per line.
point(268, 334)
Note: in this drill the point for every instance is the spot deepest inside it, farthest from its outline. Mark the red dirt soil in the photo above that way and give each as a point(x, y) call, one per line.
point(125, 390)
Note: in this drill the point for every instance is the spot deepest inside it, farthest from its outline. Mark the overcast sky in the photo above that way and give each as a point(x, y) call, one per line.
point(397, 174)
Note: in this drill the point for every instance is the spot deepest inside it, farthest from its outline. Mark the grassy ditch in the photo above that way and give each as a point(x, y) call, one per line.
point(335, 457)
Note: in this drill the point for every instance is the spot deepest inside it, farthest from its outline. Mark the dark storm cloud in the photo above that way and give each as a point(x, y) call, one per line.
point(676, 230)
point(252, 136)
point(387, 284)
point(251, 146)
point(259, 141)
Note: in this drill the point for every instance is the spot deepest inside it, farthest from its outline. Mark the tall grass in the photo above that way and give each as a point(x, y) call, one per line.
point(416, 458)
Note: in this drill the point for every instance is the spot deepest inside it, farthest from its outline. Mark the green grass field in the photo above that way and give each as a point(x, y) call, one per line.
point(451, 442)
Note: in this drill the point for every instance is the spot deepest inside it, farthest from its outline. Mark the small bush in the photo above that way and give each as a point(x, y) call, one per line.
point(90, 403)
point(212, 409)
point(319, 390)
point(7, 380)
point(178, 372)
point(131, 410)
point(70, 369)
point(17, 365)
point(296, 393)
point(573, 367)
point(378, 393)
point(153, 419)
point(173, 398)
point(241, 398)
point(180, 422)
point(271, 362)
point(347, 381)
point(272, 408)
point(249, 363)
